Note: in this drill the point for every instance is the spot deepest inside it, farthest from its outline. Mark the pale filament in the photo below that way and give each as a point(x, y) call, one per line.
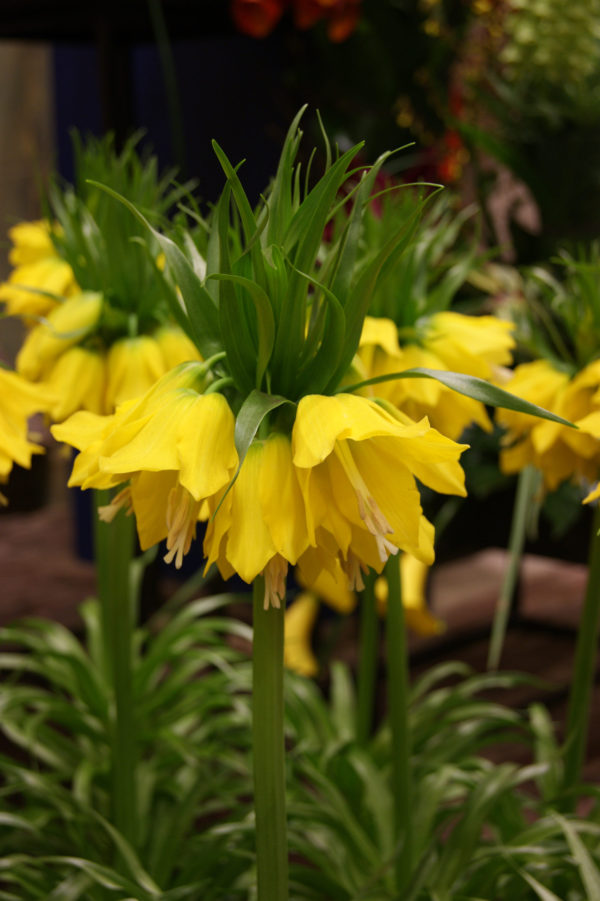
point(368, 508)
point(121, 501)
point(275, 573)
point(354, 570)
point(182, 516)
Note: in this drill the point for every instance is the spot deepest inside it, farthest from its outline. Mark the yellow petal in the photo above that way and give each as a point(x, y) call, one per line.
point(175, 346)
point(66, 325)
point(281, 499)
point(321, 421)
point(77, 379)
point(249, 544)
point(380, 332)
point(133, 365)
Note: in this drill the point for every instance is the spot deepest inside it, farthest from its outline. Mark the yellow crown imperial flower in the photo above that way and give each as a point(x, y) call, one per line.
point(541, 383)
point(474, 345)
point(133, 365)
point(357, 464)
point(77, 379)
point(175, 346)
point(64, 327)
point(560, 453)
point(175, 445)
point(38, 273)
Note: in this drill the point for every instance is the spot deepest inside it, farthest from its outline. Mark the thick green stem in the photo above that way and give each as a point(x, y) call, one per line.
point(368, 659)
point(528, 483)
point(398, 703)
point(114, 543)
point(269, 750)
point(584, 668)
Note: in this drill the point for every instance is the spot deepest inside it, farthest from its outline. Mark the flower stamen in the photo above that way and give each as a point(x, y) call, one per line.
point(368, 508)
point(122, 500)
point(182, 516)
point(275, 574)
point(354, 570)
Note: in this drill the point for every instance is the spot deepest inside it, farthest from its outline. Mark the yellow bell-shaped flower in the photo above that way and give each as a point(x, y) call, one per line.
point(66, 325)
point(133, 365)
point(473, 345)
point(174, 444)
point(175, 346)
point(357, 465)
point(38, 272)
point(560, 453)
point(77, 378)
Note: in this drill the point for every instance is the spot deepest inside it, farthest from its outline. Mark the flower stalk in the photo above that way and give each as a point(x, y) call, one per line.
point(398, 706)
point(114, 544)
point(584, 668)
point(527, 485)
point(368, 660)
point(268, 749)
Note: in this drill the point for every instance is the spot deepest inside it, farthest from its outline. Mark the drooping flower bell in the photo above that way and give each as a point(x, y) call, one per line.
point(560, 453)
point(476, 345)
point(557, 318)
point(357, 465)
point(175, 447)
point(39, 276)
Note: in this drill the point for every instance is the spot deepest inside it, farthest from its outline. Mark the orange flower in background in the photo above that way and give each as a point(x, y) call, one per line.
point(257, 18)
point(341, 15)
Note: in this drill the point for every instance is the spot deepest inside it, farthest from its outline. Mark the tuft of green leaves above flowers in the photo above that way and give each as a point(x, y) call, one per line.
point(107, 249)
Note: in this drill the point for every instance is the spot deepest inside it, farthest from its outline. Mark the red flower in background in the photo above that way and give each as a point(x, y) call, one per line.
point(341, 15)
point(257, 18)
point(454, 156)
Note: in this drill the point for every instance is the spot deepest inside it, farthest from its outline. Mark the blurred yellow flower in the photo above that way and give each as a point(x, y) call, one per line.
point(18, 401)
point(77, 380)
point(559, 452)
point(64, 327)
point(37, 266)
point(301, 614)
point(413, 574)
point(175, 346)
point(66, 353)
point(133, 365)
point(299, 621)
point(473, 345)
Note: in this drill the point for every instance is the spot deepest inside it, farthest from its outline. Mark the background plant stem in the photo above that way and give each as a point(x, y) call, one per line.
point(398, 702)
point(269, 750)
point(584, 667)
point(114, 544)
point(527, 485)
point(368, 651)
